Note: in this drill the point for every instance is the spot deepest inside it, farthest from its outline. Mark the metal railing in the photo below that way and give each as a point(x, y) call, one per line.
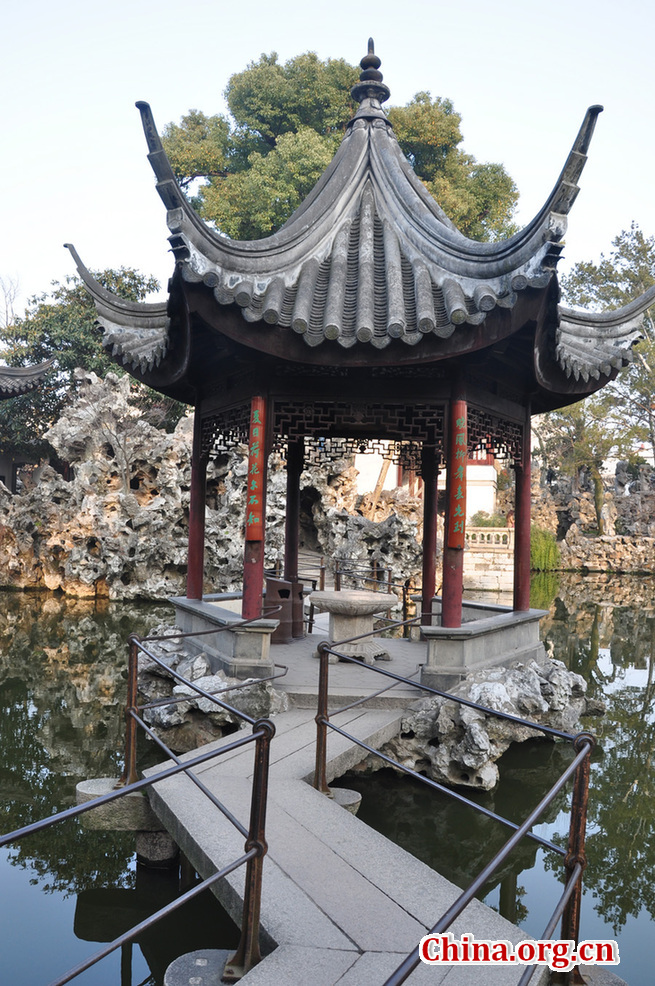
point(372, 575)
point(568, 907)
point(312, 571)
point(248, 953)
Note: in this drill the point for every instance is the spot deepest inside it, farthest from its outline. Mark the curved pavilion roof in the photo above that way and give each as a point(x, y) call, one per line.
point(17, 380)
point(370, 270)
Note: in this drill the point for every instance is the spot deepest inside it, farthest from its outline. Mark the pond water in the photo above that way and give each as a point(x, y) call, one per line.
point(604, 629)
point(62, 690)
point(62, 687)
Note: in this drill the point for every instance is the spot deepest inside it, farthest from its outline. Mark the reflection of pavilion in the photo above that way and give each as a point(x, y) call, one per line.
point(367, 317)
point(15, 381)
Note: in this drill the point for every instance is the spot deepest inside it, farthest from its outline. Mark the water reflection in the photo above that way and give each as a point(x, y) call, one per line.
point(62, 689)
point(602, 627)
point(613, 646)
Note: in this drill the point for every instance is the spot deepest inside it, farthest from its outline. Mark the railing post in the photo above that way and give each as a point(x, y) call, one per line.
point(576, 849)
point(129, 775)
point(248, 953)
point(320, 771)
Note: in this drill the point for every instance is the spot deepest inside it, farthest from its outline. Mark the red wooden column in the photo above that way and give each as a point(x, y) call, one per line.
point(196, 549)
point(295, 464)
point(523, 473)
point(430, 475)
point(253, 558)
point(455, 532)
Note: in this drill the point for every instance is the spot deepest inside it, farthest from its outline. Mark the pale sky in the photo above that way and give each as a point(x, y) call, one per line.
point(73, 162)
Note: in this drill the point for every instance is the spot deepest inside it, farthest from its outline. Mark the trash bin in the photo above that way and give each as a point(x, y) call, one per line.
point(279, 594)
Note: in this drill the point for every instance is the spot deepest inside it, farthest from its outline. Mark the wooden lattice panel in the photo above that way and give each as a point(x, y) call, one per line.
point(225, 430)
point(342, 419)
point(501, 437)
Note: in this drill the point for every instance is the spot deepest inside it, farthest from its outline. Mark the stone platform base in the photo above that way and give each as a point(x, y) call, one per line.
point(241, 652)
point(491, 636)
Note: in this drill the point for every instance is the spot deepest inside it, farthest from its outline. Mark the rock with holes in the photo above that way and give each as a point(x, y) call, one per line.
point(460, 745)
point(118, 527)
point(196, 719)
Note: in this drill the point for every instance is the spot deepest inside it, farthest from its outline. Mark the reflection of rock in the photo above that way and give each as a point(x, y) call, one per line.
point(458, 745)
point(71, 660)
point(196, 720)
point(63, 670)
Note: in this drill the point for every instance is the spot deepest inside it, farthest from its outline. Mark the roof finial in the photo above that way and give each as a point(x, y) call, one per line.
point(370, 83)
point(370, 63)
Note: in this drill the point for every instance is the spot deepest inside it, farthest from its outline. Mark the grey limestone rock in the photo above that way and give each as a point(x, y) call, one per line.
point(456, 744)
point(197, 719)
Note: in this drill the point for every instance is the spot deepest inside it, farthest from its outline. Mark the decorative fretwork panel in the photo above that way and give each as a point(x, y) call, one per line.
point(333, 430)
point(342, 419)
point(322, 451)
point(223, 431)
point(502, 437)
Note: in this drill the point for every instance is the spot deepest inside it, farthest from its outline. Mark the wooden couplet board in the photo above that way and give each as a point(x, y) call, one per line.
point(256, 498)
point(458, 452)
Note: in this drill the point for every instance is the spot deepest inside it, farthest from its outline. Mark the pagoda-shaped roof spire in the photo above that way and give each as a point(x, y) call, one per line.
point(370, 91)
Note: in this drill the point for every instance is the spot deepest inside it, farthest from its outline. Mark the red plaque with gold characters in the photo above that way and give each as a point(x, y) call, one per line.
point(256, 495)
point(457, 462)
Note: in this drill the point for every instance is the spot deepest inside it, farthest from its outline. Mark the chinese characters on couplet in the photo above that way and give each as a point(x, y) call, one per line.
point(457, 502)
point(256, 494)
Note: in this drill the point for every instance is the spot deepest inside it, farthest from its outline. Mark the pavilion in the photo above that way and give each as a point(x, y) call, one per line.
point(367, 317)
point(18, 380)
point(14, 382)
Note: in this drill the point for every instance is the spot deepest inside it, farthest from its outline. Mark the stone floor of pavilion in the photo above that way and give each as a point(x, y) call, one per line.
point(347, 681)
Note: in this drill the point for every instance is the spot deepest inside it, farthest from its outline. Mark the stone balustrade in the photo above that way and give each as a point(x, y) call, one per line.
point(490, 539)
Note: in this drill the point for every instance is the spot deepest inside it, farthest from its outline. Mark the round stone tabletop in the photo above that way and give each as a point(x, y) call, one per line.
point(352, 602)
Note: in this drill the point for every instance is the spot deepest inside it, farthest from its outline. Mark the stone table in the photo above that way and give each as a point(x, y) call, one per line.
point(351, 614)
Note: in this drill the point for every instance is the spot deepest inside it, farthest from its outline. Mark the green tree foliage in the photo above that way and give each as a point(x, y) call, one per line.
point(479, 198)
point(484, 519)
point(286, 123)
point(199, 147)
point(268, 99)
point(61, 324)
point(257, 201)
point(627, 272)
